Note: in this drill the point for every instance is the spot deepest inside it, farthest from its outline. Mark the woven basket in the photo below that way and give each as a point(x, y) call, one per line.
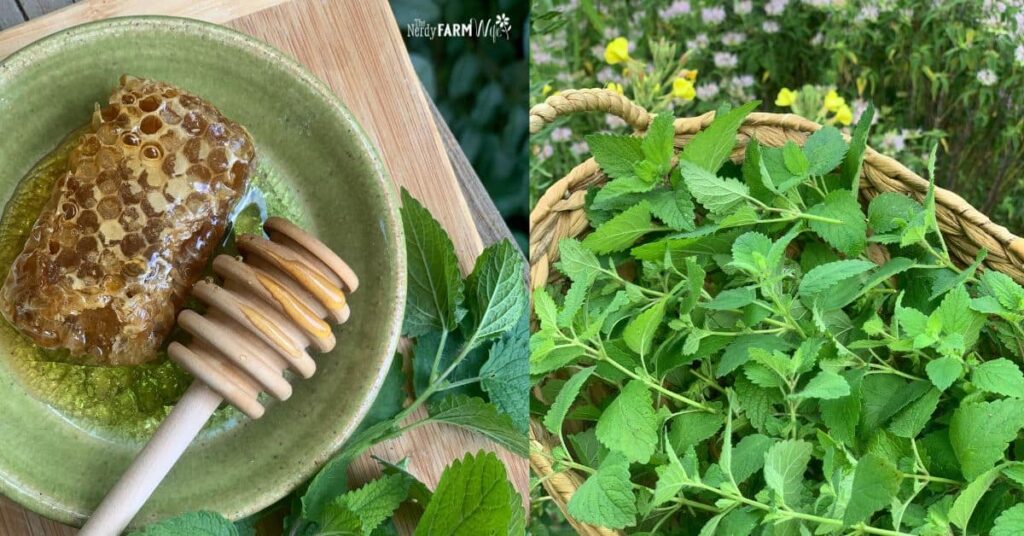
point(560, 214)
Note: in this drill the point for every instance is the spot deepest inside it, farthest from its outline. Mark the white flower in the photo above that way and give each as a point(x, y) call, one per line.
point(675, 9)
point(712, 15)
point(733, 38)
point(597, 51)
point(579, 148)
point(701, 41)
point(817, 39)
point(611, 33)
point(894, 141)
point(725, 60)
point(1019, 54)
point(561, 134)
point(818, 3)
point(776, 7)
point(868, 13)
point(743, 80)
point(987, 77)
point(541, 57)
point(743, 7)
point(614, 121)
point(707, 91)
point(544, 152)
point(770, 26)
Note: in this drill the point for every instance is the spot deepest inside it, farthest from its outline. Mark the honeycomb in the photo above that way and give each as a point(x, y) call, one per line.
point(130, 225)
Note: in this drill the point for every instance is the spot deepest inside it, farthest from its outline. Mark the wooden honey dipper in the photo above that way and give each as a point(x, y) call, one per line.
point(270, 308)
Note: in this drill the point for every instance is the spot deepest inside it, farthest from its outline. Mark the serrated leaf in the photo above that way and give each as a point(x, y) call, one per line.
point(497, 289)
point(826, 385)
point(606, 498)
point(731, 299)
point(640, 331)
point(841, 415)
point(755, 174)
point(751, 252)
point(912, 419)
point(1000, 376)
point(373, 503)
point(944, 371)
point(858, 144)
point(711, 147)
point(795, 159)
point(689, 429)
point(849, 236)
point(1010, 522)
point(889, 211)
point(616, 154)
point(472, 497)
point(825, 150)
point(674, 207)
point(748, 456)
point(192, 523)
point(784, 466)
point(980, 432)
point(657, 144)
point(435, 283)
point(1004, 289)
point(481, 417)
point(737, 353)
point(963, 508)
point(629, 424)
point(714, 193)
point(564, 400)
point(505, 377)
point(824, 276)
point(875, 482)
point(621, 231)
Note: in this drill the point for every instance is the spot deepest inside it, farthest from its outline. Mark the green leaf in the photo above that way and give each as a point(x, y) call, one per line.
point(373, 503)
point(435, 283)
point(826, 385)
point(738, 351)
point(943, 285)
point(565, 398)
point(640, 331)
point(545, 308)
point(824, 276)
point(912, 419)
point(606, 497)
point(755, 174)
point(505, 377)
point(824, 150)
point(875, 482)
point(582, 267)
point(795, 160)
point(841, 415)
point(711, 147)
point(657, 144)
point(751, 252)
point(193, 524)
point(615, 154)
point(858, 144)
point(1010, 522)
point(1000, 376)
point(850, 236)
point(621, 231)
point(784, 466)
point(689, 429)
point(330, 482)
point(980, 432)
point(471, 498)
point(732, 299)
point(714, 193)
point(889, 211)
point(748, 456)
point(481, 417)
point(671, 478)
point(673, 206)
point(944, 371)
point(1004, 289)
point(963, 508)
point(629, 424)
point(497, 289)
point(340, 520)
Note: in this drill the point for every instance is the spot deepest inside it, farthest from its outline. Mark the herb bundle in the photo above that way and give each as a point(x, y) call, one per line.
point(747, 349)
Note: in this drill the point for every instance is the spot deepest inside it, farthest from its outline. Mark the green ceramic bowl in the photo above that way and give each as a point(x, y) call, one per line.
point(61, 468)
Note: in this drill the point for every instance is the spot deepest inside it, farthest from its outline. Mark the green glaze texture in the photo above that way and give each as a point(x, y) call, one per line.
point(61, 467)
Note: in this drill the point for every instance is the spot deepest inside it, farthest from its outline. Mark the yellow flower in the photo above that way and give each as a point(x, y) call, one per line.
point(833, 102)
point(547, 89)
point(689, 74)
point(786, 97)
point(844, 116)
point(617, 51)
point(615, 87)
point(682, 88)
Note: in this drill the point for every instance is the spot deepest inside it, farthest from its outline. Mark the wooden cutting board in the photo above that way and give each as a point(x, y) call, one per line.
point(356, 47)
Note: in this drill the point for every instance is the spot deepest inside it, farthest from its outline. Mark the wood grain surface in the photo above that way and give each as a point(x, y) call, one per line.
point(354, 46)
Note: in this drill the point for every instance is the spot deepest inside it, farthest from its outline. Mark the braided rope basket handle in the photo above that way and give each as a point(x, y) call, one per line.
point(559, 213)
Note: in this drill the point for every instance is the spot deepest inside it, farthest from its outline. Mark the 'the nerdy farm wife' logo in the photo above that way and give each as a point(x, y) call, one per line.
point(496, 28)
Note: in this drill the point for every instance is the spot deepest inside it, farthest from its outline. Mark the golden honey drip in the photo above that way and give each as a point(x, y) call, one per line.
point(129, 227)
